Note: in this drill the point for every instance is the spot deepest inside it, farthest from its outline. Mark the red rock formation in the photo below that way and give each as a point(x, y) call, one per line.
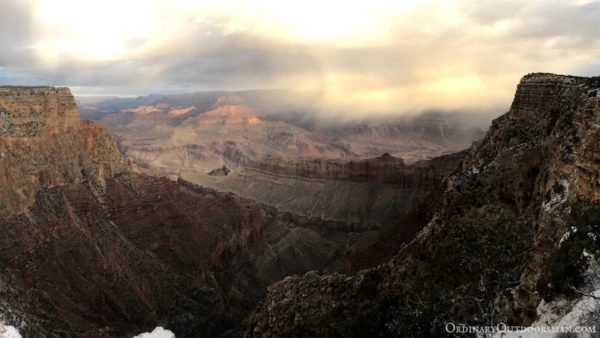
point(43, 143)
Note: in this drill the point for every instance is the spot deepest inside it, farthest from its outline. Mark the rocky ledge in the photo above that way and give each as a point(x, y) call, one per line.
point(44, 143)
point(385, 169)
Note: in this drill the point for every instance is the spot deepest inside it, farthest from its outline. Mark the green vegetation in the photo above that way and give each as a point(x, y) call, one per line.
point(567, 267)
point(52, 201)
point(474, 262)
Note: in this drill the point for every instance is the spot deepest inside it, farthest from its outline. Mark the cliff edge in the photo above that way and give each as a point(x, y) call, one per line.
point(495, 247)
point(44, 143)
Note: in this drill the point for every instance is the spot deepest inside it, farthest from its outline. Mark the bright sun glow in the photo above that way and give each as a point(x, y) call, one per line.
point(332, 21)
point(112, 29)
point(94, 31)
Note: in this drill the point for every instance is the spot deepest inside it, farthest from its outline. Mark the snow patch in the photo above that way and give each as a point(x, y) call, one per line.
point(473, 171)
point(566, 235)
point(557, 198)
point(580, 309)
point(9, 332)
point(564, 313)
point(9, 316)
point(158, 332)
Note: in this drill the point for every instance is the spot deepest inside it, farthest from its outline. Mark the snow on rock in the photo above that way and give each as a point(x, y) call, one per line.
point(158, 332)
point(589, 303)
point(577, 311)
point(581, 310)
point(564, 313)
point(473, 171)
point(558, 197)
point(566, 235)
point(9, 332)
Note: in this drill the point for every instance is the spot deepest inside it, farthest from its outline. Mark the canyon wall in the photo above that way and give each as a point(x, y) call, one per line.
point(385, 169)
point(43, 143)
point(493, 248)
point(32, 111)
point(373, 192)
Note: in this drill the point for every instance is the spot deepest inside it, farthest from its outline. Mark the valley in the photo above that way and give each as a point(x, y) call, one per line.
point(348, 172)
point(299, 169)
point(94, 246)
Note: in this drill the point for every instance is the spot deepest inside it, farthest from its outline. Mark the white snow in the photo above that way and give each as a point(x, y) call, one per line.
point(585, 306)
point(557, 199)
point(9, 331)
point(563, 313)
point(473, 171)
point(158, 332)
point(567, 234)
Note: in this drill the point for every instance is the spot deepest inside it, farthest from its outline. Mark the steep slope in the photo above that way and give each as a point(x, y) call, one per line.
point(495, 246)
point(89, 248)
point(43, 143)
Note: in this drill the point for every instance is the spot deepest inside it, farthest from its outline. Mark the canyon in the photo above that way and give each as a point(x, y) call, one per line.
point(369, 172)
point(93, 247)
point(495, 246)
point(297, 231)
point(89, 248)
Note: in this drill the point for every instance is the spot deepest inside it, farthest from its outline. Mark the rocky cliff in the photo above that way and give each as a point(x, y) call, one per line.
point(495, 246)
point(372, 191)
point(43, 143)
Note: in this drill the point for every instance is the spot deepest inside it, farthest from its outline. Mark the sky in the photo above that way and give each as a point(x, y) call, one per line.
point(363, 57)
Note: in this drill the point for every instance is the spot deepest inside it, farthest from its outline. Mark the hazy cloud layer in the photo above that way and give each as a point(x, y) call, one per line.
point(364, 57)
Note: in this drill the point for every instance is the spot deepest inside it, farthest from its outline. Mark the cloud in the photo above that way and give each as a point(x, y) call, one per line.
point(15, 33)
point(363, 57)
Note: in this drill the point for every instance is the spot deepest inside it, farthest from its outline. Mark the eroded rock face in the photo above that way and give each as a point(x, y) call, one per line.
point(32, 111)
point(489, 252)
point(374, 191)
point(223, 171)
point(43, 143)
point(385, 169)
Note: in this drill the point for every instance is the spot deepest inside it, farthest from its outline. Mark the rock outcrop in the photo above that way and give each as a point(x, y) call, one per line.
point(43, 143)
point(223, 171)
point(385, 169)
point(33, 111)
point(372, 191)
point(493, 248)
